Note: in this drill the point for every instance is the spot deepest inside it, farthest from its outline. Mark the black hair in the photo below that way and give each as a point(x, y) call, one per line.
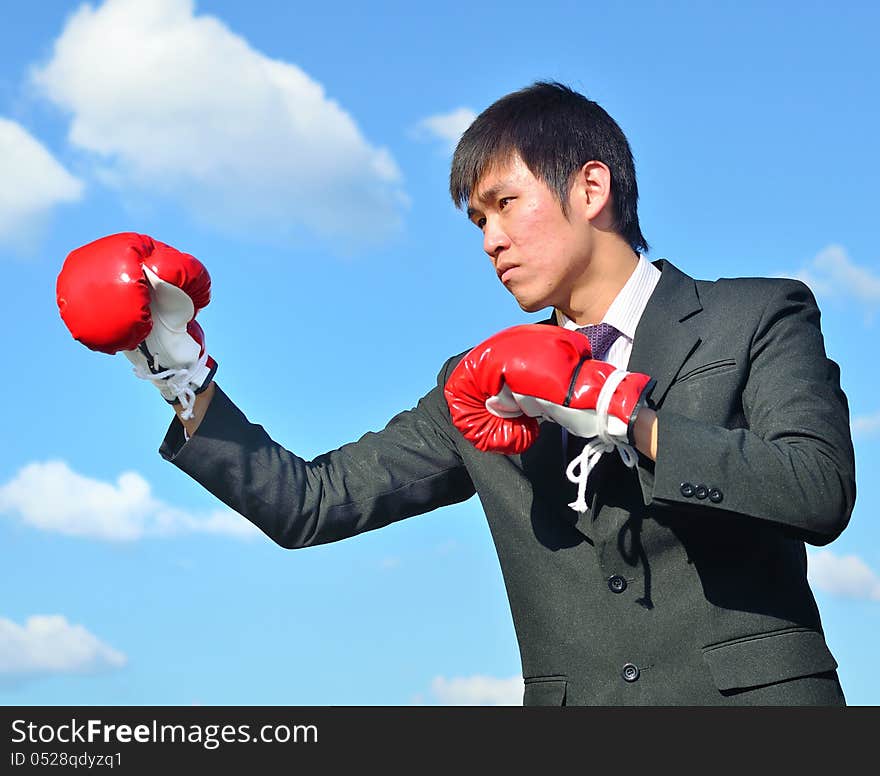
point(555, 130)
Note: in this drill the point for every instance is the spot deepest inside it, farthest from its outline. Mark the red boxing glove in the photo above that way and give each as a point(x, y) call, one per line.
point(533, 359)
point(127, 292)
point(499, 389)
point(103, 294)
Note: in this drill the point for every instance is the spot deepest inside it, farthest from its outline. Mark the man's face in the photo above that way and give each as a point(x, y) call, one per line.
point(537, 252)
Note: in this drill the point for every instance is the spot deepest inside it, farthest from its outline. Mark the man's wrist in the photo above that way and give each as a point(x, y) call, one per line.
point(199, 408)
point(644, 432)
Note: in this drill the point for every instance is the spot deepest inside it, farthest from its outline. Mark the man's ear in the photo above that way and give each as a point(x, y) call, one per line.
point(591, 192)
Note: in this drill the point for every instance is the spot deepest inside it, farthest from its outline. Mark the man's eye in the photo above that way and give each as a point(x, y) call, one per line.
point(502, 203)
point(480, 222)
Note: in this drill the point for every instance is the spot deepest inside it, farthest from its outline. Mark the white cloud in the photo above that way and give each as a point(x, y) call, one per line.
point(832, 273)
point(32, 183)
point(478, 691)
point(447, 127)
point(847, 576)
point(49, 644)
point(52, 497)
point(177, 103)
point(866, 425)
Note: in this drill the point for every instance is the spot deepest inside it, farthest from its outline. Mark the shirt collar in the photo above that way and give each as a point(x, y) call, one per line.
point(629, 304)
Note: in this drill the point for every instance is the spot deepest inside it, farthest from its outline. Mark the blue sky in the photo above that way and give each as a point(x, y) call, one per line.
point(301, 151)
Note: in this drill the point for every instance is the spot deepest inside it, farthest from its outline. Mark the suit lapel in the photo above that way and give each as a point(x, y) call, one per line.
point(663, 341)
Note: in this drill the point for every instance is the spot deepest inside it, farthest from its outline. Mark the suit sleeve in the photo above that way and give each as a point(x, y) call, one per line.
point(410, 467)
point(794, 463)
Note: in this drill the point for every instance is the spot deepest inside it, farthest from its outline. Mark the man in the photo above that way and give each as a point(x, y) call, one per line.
point(673, 572)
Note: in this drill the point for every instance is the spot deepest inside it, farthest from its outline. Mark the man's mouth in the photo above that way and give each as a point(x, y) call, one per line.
point(504, 272)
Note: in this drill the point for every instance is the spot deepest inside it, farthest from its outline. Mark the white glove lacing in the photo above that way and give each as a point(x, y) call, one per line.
point(176, 382)
point(579, 469)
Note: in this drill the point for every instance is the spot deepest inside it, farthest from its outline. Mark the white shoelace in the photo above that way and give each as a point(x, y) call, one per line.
point(578, 471)
point(177, 382)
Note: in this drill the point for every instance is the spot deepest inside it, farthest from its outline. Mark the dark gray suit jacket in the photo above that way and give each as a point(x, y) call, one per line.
point(686, 581)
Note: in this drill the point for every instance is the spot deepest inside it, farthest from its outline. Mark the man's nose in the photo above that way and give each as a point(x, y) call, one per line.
point(495, 239)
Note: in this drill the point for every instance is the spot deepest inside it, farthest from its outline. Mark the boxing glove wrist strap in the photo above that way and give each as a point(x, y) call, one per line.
point(177, 384)
point(578, 471)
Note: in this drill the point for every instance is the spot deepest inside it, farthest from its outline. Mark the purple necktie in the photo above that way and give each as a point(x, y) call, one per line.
point(601, 336)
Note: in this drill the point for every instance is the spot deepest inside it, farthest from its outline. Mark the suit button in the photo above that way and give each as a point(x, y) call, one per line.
point(630, 673)
point(687, 490)
point(617, 584)
point(715, 496)
point(701, 491)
